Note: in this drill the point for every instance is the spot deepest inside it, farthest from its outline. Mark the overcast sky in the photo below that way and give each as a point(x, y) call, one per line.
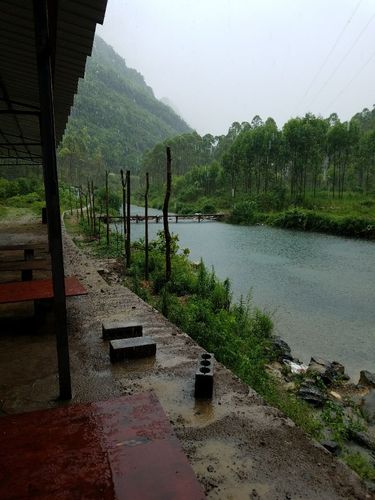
point(221, 61)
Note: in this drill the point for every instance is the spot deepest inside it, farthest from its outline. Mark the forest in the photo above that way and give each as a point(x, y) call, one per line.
point(307, 155)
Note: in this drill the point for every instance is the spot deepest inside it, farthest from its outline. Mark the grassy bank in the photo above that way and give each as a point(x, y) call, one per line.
point(352, 216)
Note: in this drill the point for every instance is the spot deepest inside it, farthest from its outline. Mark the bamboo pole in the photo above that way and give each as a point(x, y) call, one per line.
point(168, 267)
point(146, 226)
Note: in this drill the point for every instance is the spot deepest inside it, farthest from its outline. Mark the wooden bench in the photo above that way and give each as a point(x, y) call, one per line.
point(25, 291)
point(27, 249)
point(26, 267)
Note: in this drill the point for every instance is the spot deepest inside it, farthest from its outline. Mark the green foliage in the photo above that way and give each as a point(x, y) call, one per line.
point(22, 193)
point(114, 200)
point(310, 220)
point(340, 424)
point(360, 465)
point(244, 212)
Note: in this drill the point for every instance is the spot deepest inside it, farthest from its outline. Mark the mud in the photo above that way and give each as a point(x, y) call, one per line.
point(238, 446)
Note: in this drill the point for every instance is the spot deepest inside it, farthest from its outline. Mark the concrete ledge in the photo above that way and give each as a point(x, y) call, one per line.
point(204, 376)
point(138, 347)
point(121, 330)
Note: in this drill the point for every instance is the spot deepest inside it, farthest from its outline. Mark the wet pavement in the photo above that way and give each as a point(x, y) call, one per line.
point(109, 449)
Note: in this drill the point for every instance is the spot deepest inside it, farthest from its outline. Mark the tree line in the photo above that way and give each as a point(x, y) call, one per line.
point(308, 154)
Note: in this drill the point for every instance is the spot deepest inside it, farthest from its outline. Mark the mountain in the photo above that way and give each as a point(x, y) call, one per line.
point(168, 102)
point(116, 112)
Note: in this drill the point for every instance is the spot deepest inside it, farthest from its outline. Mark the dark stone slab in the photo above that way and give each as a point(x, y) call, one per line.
point(121, 330)
point(137, 347)
point(331, 446)
point(368, 406)
point(311, 394)
point(281, 349)
point(367, 378)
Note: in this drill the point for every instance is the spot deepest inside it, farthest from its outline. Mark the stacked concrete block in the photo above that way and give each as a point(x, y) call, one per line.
point(204, 377)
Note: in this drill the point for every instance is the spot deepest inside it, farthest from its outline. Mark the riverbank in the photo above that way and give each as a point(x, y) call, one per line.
point(352, 215)
point(307, 220)
point(246, 347)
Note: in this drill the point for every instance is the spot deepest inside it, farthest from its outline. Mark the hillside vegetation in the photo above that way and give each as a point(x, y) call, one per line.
point(115, 118)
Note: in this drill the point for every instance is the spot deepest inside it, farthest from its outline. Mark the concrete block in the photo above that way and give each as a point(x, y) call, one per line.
point(137, 347)
point(121, 330)
point(204, 376)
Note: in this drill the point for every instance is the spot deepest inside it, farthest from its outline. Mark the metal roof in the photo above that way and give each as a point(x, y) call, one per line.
point(74, 29)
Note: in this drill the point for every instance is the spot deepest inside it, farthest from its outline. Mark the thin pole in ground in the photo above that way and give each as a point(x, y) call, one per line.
point(146, 226)
point(107, 206)
point(167, 235)
point(128, 256)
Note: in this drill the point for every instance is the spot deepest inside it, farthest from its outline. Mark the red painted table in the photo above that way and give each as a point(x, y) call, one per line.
point(122, 448)
point(23, 291)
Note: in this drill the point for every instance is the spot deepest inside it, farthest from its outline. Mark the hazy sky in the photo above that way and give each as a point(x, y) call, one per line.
point(221, 61)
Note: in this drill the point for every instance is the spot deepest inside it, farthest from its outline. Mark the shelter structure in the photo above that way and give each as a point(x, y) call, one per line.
point(43, 49)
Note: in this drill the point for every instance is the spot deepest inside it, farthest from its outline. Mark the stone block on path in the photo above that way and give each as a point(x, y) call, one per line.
point(121, 330)
point(137, 347)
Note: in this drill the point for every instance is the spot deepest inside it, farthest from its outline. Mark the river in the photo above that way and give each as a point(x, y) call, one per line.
point(318, 288)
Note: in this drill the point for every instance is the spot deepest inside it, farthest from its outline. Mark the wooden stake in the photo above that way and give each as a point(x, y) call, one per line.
point(93, 208)
point(89, 205)
point(146, 227)
point(80, 200)
point(128, 256)
point(123, 183)
point(107, 205)
point(168, 267)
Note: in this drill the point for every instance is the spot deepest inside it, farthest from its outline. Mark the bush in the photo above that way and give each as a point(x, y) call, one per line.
point(310, 220)
point(244, 212)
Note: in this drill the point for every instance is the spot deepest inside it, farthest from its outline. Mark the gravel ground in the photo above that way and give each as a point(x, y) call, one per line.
point(239, 447)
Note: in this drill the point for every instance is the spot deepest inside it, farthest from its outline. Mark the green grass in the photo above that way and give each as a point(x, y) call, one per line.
point(361, 465)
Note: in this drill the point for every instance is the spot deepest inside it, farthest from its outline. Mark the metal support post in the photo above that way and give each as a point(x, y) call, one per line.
point(44, 51)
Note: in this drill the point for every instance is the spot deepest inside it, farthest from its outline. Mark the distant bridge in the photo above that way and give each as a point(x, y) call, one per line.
point(159, 218)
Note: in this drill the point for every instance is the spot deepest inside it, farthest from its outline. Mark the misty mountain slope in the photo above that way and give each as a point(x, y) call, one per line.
point(118, 112)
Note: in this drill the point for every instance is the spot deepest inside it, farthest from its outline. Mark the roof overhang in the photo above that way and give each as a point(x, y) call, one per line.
point(72, 30)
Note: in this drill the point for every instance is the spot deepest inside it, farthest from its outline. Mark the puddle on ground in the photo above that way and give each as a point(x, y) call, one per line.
point(219, 462)
point(177, 398)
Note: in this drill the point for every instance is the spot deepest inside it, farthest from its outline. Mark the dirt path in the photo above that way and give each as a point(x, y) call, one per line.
point(238, 446)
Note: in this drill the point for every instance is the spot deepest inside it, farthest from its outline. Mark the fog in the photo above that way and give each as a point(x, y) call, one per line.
point(220, 61)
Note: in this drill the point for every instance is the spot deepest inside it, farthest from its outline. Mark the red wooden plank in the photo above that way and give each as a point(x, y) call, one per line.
point(123, 448)
point(23, 291)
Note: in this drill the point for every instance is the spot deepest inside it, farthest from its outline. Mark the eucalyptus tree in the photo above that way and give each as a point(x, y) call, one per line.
point(342, 141)
point(366, 161)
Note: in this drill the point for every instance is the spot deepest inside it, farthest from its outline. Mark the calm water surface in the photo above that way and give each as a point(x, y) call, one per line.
point(320, 289)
